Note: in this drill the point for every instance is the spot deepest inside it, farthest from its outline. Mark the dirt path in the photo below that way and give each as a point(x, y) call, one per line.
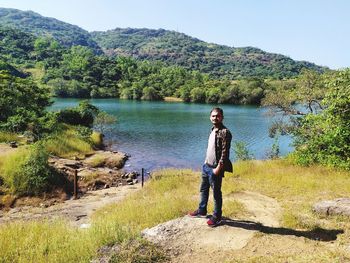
point(191, 240)
point(78, 211)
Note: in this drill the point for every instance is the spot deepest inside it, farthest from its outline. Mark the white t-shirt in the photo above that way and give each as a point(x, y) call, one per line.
point(210, 158)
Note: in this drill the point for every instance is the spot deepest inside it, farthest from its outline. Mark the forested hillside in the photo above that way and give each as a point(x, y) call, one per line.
point(218, 61)
point(31, 22)
point(78, 72)
point(170, 47)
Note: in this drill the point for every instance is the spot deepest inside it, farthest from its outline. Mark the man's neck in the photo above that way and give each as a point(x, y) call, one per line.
point(217, 126)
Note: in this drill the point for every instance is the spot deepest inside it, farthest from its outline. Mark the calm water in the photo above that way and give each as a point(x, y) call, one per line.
point(161, 134)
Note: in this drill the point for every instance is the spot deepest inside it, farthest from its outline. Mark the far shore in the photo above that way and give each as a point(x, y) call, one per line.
point(172, 99)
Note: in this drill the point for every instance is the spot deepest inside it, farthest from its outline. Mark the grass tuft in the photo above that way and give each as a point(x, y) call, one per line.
point(67, 144)
point(8, 137)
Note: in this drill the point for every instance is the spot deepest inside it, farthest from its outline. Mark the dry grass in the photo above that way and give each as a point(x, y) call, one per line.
point(172, 193)
point(8, 137)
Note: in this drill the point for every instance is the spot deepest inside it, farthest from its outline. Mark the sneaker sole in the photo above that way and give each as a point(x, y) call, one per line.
point(198, 216)
point(215, 225)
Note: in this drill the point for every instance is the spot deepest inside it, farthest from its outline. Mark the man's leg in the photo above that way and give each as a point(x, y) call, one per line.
point(216, 183)
point(204, 191)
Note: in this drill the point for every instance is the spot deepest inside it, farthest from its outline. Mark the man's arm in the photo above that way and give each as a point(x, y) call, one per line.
point(226, 144)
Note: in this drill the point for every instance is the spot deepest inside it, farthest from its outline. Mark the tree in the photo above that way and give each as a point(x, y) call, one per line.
point(103, 122)
point(325, 137)
point(21, 102)
point(150, 93)
point(197, 95)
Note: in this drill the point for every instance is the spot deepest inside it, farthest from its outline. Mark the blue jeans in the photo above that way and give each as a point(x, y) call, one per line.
point(209, 179)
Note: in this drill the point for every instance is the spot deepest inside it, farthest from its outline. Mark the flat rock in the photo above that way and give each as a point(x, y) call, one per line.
point(340, 206)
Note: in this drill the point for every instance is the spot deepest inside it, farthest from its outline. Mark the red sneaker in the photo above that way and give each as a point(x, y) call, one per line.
point(197, 213)
point(214, 221)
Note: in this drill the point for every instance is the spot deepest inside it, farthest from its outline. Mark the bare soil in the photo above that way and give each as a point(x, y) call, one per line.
point(256, 235)
point(77, 211)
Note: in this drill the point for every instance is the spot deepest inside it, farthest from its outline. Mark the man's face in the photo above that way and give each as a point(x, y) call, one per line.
point(216, 117)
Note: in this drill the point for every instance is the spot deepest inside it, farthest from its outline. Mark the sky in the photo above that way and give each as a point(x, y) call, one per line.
point(317, 31)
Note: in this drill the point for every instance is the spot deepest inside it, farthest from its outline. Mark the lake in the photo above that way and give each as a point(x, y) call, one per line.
point(175, 134)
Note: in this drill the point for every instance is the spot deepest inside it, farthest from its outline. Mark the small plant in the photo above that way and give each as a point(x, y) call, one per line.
point(274, 152)
point(241, 151)
point(103, 122)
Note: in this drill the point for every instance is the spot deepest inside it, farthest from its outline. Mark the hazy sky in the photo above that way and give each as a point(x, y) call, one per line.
point(313, 30)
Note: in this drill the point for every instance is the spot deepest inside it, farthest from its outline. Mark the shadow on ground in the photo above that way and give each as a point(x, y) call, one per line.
point(318, 234)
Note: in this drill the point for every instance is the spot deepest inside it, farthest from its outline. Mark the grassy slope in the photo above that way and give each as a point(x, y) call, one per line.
point(170, 194)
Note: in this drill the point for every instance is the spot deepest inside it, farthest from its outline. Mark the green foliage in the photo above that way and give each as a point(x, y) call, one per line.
point(83, 114)
point(15, 46)
point(192, 70)
point(8, 137)
point(241, 151)
point(197, 95)
point(274, 153)
point(325, 137)
point(150, 93)
point(33, 23)
point(21, 102)
point(219, 61)
point(70, 141)
point(27, 172)
point(103, 122)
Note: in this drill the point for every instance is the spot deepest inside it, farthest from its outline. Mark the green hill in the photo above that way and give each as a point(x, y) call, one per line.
point(31, 22)
point(16, 47)
point(176, 48)
point(170, 47)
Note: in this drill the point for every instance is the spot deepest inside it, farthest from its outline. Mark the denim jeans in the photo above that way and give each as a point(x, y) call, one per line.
point(209, 179)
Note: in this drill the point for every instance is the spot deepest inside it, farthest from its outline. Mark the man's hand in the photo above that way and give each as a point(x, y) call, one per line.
point(218, 168)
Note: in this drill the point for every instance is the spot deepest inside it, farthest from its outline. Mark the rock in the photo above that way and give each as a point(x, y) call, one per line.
point(13, 144)
point(133, 175)
point(129, 180)
point(135, 181)
point(84, 226)
point(340, 206)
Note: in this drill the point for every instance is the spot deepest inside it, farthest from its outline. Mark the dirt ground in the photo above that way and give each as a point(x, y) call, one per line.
point(257, 235)
point(78, 211)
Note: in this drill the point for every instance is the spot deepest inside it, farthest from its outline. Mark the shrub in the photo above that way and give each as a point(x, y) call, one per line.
point(241, 151)
point(27, 172)
point(82, 115)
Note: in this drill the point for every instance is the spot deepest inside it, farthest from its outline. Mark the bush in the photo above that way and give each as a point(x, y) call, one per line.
point(82, 115)
point(241, 151)
point(27, 172)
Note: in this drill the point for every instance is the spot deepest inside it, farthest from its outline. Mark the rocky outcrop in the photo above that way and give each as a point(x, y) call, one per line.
point(340, 206)
point(99, 170)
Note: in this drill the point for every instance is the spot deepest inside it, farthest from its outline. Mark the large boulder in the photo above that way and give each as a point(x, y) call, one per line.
point(340, 206)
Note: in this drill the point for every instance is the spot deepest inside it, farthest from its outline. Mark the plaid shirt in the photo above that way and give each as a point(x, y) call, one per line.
point(223, 139)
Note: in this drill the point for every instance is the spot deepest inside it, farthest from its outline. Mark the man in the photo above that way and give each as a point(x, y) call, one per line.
point(216, 163)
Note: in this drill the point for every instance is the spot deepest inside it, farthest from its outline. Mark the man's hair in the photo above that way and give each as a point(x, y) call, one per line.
point(218, 110)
